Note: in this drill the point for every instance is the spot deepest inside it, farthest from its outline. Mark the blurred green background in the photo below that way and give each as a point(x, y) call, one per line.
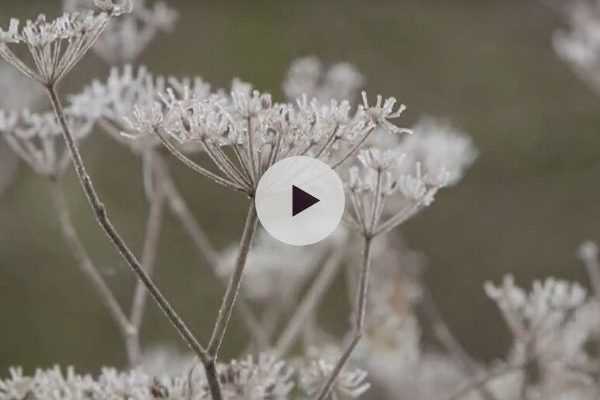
point(486, 66)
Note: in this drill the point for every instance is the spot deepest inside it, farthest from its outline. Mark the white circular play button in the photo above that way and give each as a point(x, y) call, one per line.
point(300, 200)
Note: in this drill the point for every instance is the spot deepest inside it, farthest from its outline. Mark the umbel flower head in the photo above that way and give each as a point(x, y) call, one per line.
point(400, 174)
point(380, 179)
point(244, 132)
point(57, 46)
point(252, 378)
point(36, 138)
point(126, 38)
point(127, 87)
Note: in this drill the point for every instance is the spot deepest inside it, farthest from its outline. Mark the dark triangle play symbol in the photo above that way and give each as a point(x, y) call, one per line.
point(301, 200)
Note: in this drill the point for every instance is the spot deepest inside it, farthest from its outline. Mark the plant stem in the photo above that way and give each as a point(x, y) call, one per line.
point(115, 238)
point(149, 253)
point(235, 281)
point(86, 265)
point(206, 250)
point(360, 312)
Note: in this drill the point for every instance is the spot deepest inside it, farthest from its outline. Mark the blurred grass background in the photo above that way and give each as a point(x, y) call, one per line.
point(486, 66)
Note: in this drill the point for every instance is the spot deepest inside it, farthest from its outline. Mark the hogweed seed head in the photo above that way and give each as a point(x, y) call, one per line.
point(546, 306)
point(56, 46)
point(381, 185)
point(128, 91)
point(259, 131)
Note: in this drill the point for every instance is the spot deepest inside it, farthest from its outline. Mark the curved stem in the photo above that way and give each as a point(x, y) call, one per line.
point(115, 238)
point(235, 281)
point(206, 250)
point(360, 312)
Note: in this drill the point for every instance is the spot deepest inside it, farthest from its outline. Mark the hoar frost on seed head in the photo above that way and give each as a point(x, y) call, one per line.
point(129, 90)
point(261, 131)
point(56, 46)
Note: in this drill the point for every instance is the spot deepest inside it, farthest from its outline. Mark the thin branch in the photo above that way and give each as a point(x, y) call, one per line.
point(354, 149)
point(235, 281)
point(200, 240)
point(195, 167)
point(360, 312)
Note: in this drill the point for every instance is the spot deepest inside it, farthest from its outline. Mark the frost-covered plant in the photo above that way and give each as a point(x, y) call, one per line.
point(56, 46)
point(552, 326)
point(126, 38)
point(249, 378)
point(241, 132)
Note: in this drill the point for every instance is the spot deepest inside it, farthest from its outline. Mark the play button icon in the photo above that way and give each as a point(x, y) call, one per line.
point(300, 200)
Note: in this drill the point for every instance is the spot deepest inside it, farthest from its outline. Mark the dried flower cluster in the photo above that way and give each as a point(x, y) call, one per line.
point(57, 46)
